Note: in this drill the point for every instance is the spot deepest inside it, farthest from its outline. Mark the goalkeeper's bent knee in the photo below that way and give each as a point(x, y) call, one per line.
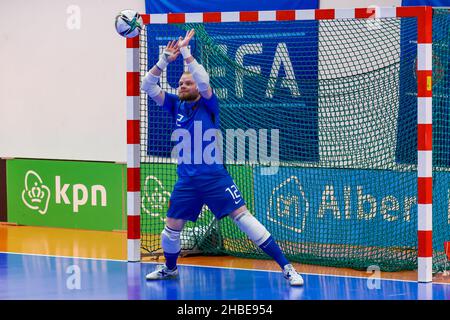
point(170, 240)
point(248, 224)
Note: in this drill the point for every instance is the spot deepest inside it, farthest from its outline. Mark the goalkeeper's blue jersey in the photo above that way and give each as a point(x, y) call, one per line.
point(200, 153)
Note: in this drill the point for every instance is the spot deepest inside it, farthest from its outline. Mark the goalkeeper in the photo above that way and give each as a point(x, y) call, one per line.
point(204, 182)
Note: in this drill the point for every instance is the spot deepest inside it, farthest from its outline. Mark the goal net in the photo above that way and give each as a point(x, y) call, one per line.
point(319, 119)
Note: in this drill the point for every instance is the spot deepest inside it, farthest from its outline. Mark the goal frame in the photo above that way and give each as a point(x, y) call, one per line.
point(424, 108)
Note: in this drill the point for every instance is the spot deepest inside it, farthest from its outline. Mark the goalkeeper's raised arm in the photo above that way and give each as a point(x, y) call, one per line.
point(198, 72)
point(170, 54)
point(151, 79)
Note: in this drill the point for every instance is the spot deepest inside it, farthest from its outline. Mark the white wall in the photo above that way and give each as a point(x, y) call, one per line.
point(62, 91)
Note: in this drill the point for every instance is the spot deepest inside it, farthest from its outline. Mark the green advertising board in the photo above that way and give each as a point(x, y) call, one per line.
point(157, 182)
point(67, 194)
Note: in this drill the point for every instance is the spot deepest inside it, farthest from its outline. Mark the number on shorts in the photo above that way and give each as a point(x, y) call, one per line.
point(233, 190)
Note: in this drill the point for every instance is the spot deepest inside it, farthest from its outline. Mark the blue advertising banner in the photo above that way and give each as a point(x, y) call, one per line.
point(407, 115)
point(236, 107)
point(434, 3)
point(249, 98)
point(165, 6)
point(344, 206)
point(406, 151)
point(441, 87)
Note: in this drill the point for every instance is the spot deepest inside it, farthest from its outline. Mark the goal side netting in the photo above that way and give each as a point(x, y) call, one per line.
point(320, 122)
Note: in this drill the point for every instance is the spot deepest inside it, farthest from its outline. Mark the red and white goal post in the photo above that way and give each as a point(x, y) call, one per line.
point(424, 103)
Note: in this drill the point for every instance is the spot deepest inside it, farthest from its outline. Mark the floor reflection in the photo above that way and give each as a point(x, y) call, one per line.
point(46, 277)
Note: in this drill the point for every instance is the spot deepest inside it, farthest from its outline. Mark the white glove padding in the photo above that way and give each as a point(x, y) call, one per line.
point(200, 75)
point(185, 52)
point(162, 62)
point(150, 85)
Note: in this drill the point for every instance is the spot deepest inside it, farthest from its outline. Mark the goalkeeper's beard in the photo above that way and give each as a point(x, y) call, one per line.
point(188, 96)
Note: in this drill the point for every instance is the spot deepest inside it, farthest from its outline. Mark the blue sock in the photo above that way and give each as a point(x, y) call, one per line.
point(171, 260)
point(273, 250)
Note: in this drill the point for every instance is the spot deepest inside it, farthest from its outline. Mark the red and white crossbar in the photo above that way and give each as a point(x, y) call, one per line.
point(284, 15)
point(424, 103)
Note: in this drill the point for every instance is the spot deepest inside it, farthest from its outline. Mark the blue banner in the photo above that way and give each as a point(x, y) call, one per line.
point(344, 206)
point(406, 151)
point(407, 115)
point(267, 80)
point(434, 3)
point(165, 6)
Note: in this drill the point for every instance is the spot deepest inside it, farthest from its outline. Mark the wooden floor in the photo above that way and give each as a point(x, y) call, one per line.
point(113, 245)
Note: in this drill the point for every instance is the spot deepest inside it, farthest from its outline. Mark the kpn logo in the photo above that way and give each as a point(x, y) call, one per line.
point(36, 194)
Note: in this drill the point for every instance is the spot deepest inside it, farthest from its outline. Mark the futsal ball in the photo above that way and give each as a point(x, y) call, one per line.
point(129, 23)
point(191, 236)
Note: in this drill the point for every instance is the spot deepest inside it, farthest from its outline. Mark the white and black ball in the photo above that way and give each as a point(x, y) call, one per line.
point(129, 23)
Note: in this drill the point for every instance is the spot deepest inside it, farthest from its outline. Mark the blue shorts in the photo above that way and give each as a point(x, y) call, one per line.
point(219, 193)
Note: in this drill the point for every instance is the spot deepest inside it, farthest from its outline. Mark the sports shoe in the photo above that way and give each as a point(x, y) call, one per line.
point(294, 278)
point(162, 273)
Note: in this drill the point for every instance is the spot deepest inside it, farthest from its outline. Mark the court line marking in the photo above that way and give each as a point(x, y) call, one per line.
point(216, 267)
point(57, 256)
point(302, 273)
